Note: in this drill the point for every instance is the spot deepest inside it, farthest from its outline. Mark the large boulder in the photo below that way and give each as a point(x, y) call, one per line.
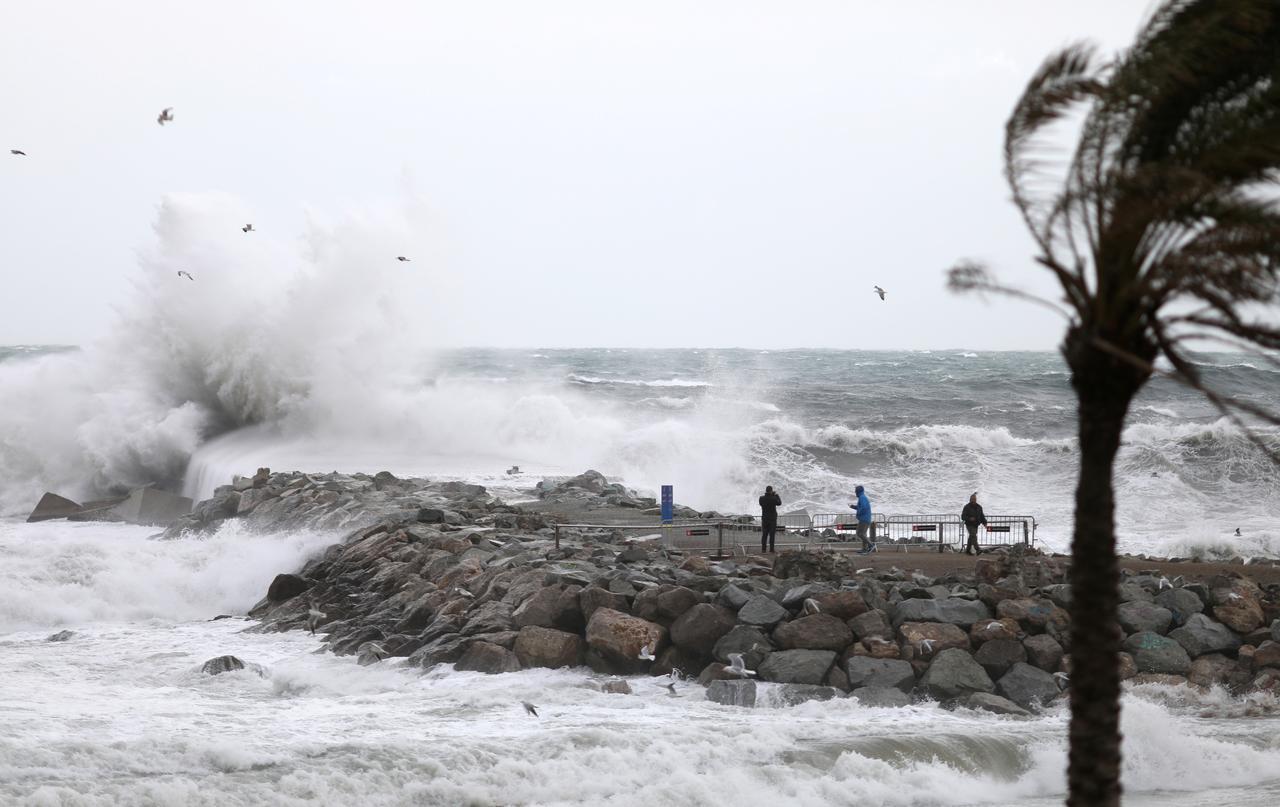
point(954, 674)
point(490, 617)
point(881, 697)
point(1027, 686)
point(1216, 669)
point(797, 666)
point(488, 658)
point(1181, 603)
point(221, 664)
point(1201, 635)
point(546, 647)
point(1236, 606)
point(998, 655)
point(761, 612)
point(1137, 616)
point(816, 632)
point(842, 604)
point(675, 601)
point(158, 508)
point(619, 637)
point(551, 607)
point(593, 597)
point(927, 639)
point(872, 672)
point(871, 624)
point(700, 627)
point(986, 702)
point(1043, 651)
point(744, 639)
point(1034, 614)
point(1153, 653)
point(732, 693)
point(286, 586)
point(952, 611)
point(732, 597)
point(1267, 655)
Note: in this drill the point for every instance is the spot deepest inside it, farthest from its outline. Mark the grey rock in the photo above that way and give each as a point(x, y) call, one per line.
point(1153, 653)
point(701, 627)
point(488, 658)
point(995, 704)
point(546, 647)
point(816, 632)
point(863, 671)
point(732, 693)
point(221, 664)
point(744, 639)
point(1201, 635)
point(998, 655)
point(954, 674)
point(761, 612)
point(286, 586)
point(1133, 592)
point(1043, 651)
point(491, 617)
point(1137, 616)
point(60, 636)
point(593, 597)
point(1181, 603)
point(872, 623)
point(797, 666)
point(1027, 686)
point(953, 611)
point(732, 597)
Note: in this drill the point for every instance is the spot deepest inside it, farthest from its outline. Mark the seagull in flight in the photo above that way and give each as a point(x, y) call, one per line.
point(1164, 583)
point(811, 606)
point(993, 624)
point(248, 228)
point(372, 652)
point(165, 116)
point(22, 153)
point(402, 259)
point(737, 666)
point(927, 646)
point(646, 652)
point(1062, 679)
point(864, 571)
point(671, 690)
point(530, 708)
point(880, 291)
point(185, 273)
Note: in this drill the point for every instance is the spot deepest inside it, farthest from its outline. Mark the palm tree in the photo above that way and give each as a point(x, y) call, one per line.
point(1161, 228)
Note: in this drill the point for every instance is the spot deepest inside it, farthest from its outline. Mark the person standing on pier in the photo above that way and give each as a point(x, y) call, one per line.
point(973, 517)
point(769, 504)
point(863, 509)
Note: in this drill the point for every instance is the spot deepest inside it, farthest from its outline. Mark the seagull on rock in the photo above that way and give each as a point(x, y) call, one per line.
point(165, 116)
point(738, 667)
point(530, 708)
point(314, 615)
point(646, 652)
point(186, 274)
point(880, 291)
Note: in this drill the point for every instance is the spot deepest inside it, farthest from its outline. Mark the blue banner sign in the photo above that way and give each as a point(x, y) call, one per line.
point(668, 504)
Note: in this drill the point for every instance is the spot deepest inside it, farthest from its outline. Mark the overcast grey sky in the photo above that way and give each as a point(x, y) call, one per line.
point(573, 173)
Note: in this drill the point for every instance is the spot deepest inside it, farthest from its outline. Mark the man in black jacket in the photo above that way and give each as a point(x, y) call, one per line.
point(973, 517)
point(769, 504)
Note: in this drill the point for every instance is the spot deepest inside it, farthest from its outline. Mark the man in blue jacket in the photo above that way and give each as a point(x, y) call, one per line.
point(863, 508)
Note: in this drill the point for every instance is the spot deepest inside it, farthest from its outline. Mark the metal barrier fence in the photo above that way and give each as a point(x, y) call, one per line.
point(800, 530)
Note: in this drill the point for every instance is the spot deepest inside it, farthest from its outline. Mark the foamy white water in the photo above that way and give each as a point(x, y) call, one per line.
point(119, 714)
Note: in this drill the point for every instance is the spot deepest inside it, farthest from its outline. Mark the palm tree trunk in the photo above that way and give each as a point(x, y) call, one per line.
point(1093, 772)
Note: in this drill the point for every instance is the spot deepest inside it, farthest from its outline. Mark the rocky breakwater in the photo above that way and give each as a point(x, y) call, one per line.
point(481, 585)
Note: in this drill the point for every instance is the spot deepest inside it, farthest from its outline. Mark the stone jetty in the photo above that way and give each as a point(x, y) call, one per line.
point(446, 573)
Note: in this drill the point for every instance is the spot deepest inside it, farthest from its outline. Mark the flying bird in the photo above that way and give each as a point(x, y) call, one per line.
point(530, 708)
point(165, 116)
point(371, 653)
point(1164, 583)
point(737, 666)
point(993, 624)
point(671, 690)
point(811, 606)
point(248, 228)
point(185, 273)
point(927, 646)
point(864, 571)
point(402, 259)
point(880, 291)
point(1062, 679)
point(18, 152)
point(1237, 528)
point(646, 652)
